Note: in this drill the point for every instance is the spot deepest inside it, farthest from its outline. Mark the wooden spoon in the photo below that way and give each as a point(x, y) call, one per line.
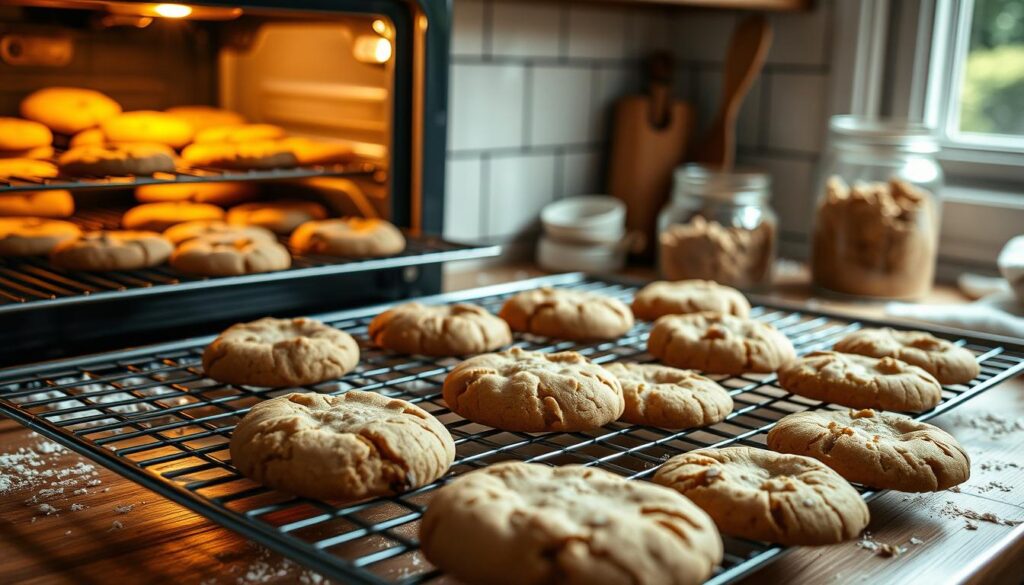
point(747, 52)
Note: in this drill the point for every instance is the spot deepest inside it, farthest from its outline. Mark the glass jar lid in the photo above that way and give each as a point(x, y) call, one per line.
point(739, 186)
point(898, 134)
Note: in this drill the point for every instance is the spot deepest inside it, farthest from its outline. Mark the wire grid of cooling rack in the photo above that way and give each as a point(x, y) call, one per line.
point(152, 416)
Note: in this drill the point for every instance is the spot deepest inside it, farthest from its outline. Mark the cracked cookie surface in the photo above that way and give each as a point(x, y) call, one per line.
point(230, 254)
point(520, 523)
point(861, 382)
point(348, 447)
point(112, 250)
point(348, 237)
point(534, 392)
point(280, 352)
point(688, 296)
point(567, 314)
point(717, 343)
point(439, 330)
point(949, 363)
point(669, 398)
point(761, 495)
point(876, 449)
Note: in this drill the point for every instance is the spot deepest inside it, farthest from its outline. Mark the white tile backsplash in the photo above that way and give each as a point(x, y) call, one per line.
point(486, 104)
point(796, 116)
point(520, 186)
point(561, 100)
point(464, 196)
point(613, 82)
point(792, 186)
point(526, 29)
point(467, 27)
point(581, 174)
point(800, 37)
point(597, 33)
point(703, 35)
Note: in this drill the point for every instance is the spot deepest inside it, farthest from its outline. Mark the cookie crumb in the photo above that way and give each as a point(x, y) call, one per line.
point(951, 510)
point(124, 508)
point(972, 525)
point(117, 525)
point(47, 509)
point(955, 489)
point(68, 533)
point(915, 540)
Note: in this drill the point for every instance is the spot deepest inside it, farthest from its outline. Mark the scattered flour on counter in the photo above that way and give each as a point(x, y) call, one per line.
point(996, 465)
point(993, 425)
point(951, 510)
point(77, 507)
point(47, 509)
point(124, 508)
point(882, 549)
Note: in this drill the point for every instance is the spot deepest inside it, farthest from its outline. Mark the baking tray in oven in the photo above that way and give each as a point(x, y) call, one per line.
point(152, 416)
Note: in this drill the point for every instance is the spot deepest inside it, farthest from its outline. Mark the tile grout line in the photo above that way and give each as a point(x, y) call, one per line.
point(488, 29)
point(485, 195)
point(527, 129)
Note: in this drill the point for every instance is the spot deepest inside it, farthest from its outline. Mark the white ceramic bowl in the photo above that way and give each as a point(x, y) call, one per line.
point(597, 219)
point(557, 256)
point(1011, 265)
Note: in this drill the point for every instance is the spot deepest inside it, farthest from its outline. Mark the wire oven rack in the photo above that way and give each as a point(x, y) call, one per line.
point(152, 416)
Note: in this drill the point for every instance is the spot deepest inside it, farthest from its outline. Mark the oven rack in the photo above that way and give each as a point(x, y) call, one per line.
point(185, 174)
point(150, 415)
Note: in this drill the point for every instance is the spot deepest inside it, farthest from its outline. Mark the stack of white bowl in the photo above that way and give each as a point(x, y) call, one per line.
point(584, 233)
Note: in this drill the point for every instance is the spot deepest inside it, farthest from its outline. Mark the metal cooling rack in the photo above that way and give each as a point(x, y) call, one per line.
point(152, 416)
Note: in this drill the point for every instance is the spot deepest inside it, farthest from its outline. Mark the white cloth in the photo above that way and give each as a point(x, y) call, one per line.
point(998, 313)
point(1011, 265)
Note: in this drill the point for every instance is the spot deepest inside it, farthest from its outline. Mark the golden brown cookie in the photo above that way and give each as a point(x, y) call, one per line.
point(530, 524)
point(280, 352)
point(32, 236)
point(117, 160)
point(265, 154)
point(228, 254)
point(719, 344)
point(761, 495)
point(688, 296)
point(26, 168)
point(37, 153)
point(876, 449)
point(668, 398)
point(534, 392)
point(439, 330)
point(203, 117)
point(949, 363)
point(348, 237)
point(239, 133)
point(280, 217)
point(861, 382)
point(158, 217)
point(218, 193)
point(348, 447)
point(567, 314)
point(49, 203)
point(69, 109)
point(112, 250)
point(17, 134)
point(310, 151)
point(189, 230)
point(148, 127)
point(90, 137)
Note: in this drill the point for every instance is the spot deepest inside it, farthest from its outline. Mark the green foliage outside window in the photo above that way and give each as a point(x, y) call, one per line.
point(992, 97)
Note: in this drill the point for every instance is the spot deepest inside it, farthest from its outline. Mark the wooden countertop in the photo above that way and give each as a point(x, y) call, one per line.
point(127, 534)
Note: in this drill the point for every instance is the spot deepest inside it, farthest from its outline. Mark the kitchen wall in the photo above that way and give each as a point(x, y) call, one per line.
point(533, 83)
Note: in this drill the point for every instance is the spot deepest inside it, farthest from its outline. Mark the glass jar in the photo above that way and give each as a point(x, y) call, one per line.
point(718, 226)
point(876, 221)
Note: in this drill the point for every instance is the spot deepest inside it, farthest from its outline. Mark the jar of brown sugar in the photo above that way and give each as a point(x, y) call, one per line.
point(718, 226)
point(877, 217)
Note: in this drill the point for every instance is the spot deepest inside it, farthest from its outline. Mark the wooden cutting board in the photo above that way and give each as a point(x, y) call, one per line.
point(649, 140)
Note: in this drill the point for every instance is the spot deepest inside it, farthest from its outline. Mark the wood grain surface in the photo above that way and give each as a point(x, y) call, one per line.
point(156, 541)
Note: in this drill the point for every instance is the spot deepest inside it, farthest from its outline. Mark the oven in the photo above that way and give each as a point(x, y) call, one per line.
point(367, 74)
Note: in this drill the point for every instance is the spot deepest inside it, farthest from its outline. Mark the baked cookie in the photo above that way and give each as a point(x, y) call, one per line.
point(668, 398)
point(239, 133)
point(26, 168)
point(280, 352)
point(223, 194)
point(534, 392)
point(149, 127)
point(50, 203)
point(439, 330)
point(266, 154)
point(32, 236)
point(761, 495)
point(112, 250)
point(90, 137)
point(17, 134)
point(348, 447)
point(688, 296)
point(310, 151)
point(189, 230)
point(203, 117)
point(280, 217)
point(948, 362)
point(567, 314)
point(37, 153)
point(158, 217)
point(117, 160)
point(876, 449)
point(228, 254)
point(348, 237)
point(530, 524)
point(861, 382)
point(719, 344)
point(69, 109)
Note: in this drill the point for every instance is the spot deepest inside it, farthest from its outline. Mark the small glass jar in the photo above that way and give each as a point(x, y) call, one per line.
point(718, 226)
point(876, 221)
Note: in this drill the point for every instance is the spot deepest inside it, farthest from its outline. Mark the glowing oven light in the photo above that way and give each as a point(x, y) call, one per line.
point(372, 49)
point(172, 10)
